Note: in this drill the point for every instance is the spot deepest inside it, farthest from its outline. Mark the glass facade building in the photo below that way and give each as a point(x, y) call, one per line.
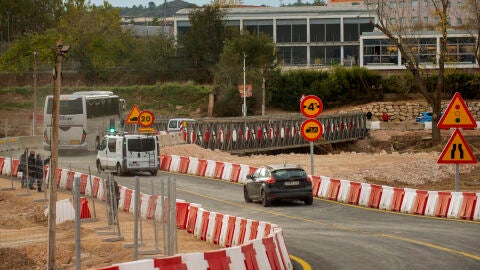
point(322, 36)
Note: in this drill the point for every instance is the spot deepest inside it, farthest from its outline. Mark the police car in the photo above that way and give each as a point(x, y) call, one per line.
point(128, 153)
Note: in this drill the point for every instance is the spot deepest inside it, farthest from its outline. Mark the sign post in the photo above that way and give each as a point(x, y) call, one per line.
point(311, 106)
point(457, 151)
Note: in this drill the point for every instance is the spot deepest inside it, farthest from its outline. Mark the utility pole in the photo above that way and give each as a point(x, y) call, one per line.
point(52, 202)
point(35, 73)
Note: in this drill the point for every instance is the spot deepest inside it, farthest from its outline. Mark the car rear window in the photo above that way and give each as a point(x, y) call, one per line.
point(141, 145)
point(288, 173)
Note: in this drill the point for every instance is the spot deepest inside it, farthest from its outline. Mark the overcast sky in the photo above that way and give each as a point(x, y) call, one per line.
point(130, 3)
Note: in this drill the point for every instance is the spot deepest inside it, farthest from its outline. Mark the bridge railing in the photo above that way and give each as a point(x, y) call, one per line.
point(250, 134)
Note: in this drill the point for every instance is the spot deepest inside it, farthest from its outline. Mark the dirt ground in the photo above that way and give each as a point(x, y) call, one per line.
point(24, 228)
point(394, 158)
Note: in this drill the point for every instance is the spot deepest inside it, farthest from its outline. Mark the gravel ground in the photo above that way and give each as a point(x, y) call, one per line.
point(384, 166)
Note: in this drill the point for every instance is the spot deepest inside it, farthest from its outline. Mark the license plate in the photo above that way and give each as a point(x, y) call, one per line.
point(75, 142)
point(291, 183)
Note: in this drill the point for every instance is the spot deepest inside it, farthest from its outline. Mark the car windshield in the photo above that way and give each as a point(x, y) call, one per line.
point(288, 173)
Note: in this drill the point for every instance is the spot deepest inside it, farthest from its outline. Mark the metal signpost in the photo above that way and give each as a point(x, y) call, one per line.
point(457, 151)
point(311, 130)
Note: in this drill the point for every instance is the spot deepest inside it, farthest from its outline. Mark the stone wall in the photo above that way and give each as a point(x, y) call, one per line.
point(407, 111)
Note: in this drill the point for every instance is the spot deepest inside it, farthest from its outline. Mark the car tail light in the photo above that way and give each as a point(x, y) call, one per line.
point(309, 179)
point(270, 181)
point(84, 136)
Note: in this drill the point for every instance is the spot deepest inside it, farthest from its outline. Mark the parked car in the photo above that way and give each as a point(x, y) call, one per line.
point(424, 117)
point(275, 182)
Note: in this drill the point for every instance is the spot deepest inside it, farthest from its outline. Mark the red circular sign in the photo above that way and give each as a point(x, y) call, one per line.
point(311, 106)
point(146, 118)
point(311, 130)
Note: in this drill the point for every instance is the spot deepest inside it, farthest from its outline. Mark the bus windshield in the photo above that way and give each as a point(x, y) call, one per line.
point(67, 106)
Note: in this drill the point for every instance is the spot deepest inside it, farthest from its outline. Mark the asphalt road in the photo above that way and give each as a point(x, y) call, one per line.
point(329, 235)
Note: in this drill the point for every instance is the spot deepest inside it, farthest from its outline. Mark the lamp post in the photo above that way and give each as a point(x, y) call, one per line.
point(244, 86)
point(35, 56)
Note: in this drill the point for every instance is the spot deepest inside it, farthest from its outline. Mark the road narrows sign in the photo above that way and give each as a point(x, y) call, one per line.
point(132, 117)
point(311, 106)
point(457, 115)
point(311, 129)
point(457, 151)
point(146, 118)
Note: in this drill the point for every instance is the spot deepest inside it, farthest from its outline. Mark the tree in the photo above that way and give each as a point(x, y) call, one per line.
point(404, 35)
point(18, 17)
point(202, 45)
point(95, 35)
point(260, 56)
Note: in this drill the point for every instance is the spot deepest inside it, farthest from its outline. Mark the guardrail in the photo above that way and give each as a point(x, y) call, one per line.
point(18, 143)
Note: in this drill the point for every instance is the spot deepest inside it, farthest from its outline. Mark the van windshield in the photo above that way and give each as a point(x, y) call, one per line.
point(141, 145)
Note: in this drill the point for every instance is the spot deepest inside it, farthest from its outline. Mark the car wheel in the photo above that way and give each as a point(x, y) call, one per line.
point(245, 195)
point(308, 201)
point(99, 166)
point(265, 201)
point(154, 172)
point(119, 169)
point(97, 142)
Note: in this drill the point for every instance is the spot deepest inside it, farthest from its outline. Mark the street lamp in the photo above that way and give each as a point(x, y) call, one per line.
point(244, 109)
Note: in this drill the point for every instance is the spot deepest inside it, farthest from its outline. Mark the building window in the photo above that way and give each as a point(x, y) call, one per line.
point(402, 19)
point(292, 56)
point(424, 49)
point(393, 20)
point(325, 55)
point(413, 19)
point(325, 30)
point(425, 19)
point(291, 31)
point(461, 50)
point(459, 21)
point(402, 4)
point(379, 52)
point(425, 3)
point(459, 4)
point(414, 3)
point(393, 4)
point(259, 26)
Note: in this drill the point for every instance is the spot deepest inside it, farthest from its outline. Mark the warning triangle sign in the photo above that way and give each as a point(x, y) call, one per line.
point(132, 117)
point(457, 151)
point(457, 115)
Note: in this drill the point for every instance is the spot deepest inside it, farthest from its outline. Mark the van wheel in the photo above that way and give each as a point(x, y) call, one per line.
point(119, 169)
point(99, 166)
point(154, 172)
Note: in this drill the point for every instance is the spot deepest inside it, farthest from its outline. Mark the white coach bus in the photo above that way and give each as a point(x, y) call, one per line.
point(84, 119)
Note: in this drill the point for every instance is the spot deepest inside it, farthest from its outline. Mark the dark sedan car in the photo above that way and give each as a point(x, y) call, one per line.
point(276, 182)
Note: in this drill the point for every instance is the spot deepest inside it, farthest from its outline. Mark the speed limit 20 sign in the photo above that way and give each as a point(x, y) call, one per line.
point(146, 118)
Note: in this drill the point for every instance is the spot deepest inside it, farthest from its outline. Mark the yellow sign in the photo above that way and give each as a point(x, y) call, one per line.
point(457, 150)
point(132, 117)
point(457, 115)
point(311, 106)
point(146, 130)
point(311, 129)
point(146, 118)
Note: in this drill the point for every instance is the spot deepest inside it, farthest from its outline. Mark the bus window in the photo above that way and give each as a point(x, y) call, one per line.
point(67, 107)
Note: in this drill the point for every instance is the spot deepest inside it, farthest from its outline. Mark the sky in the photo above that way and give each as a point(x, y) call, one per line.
point(130, 3)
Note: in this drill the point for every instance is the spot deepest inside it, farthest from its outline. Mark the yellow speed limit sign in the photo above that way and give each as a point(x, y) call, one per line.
point(311, 106)
point(146, 118)
point(311, 130)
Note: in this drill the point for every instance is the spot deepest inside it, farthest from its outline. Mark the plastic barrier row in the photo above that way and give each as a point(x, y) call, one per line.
point(459, 205)
point(250, 244)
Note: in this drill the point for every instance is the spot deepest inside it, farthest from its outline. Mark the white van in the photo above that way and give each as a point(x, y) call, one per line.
point(175, 124)
point(129, 153)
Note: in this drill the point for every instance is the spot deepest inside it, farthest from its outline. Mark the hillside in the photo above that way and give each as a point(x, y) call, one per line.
point(169, 9)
